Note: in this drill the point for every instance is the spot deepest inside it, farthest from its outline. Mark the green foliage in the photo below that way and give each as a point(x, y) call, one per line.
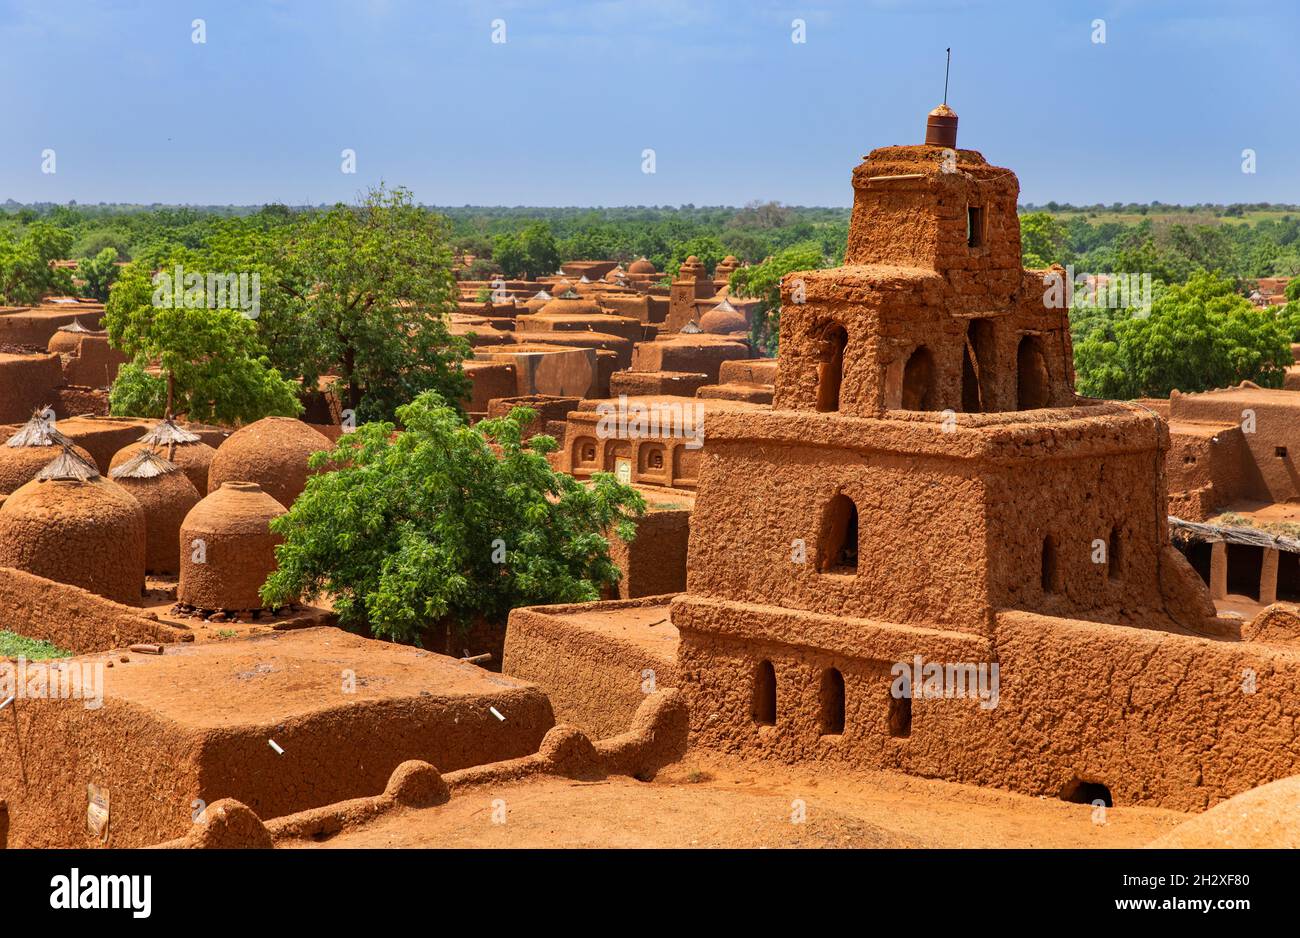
point(25, 271)
point(1044, 240)
point(1198, 336)
point(13, 645)
point(99, 273)
point(481, 268)
point(529, 254)
point(364, 293)
point(433, 525)
point(707, 249)
point(764, 282)
point(209, 364)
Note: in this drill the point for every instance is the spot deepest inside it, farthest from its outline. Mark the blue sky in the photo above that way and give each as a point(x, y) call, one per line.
point(560, 113)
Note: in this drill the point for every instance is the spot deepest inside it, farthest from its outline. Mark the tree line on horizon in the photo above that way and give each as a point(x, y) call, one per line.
point(1178, 246)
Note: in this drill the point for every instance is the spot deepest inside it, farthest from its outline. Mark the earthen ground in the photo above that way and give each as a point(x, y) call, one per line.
point(712, 803)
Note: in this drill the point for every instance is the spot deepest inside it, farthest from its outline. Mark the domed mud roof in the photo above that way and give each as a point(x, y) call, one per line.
point(571, 304)
point(234, 508)
point(29, 450)
point(272, 452)
point(70, 525)
point(723, 319)
point(167, 495)
point(233, 523)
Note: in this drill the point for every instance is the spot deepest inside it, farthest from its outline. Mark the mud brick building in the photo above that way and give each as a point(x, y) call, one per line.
point(927, 487)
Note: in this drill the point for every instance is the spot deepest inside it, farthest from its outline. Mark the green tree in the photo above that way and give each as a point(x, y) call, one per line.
point(364, 293)
point(529, 254)
point(26, 274)
point(1044, 240)
point(99, 273)
point(446, 523)
point(1199, 335)
point(707, 249)
point(205, 364)
point(764, 282)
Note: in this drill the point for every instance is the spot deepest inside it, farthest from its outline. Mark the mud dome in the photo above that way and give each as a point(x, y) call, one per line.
point(166, 496)
point(227, 548)
point(89, 534)
point(272, 452)
point(183, 448)
point(28, 451)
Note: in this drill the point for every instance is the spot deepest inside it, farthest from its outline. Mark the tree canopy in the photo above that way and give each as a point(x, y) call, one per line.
point(444, 522)
point(98, 273)
point(26, 273)
point(206, 364)
point(764, 282)
point(529, 254)
point(1198, 335)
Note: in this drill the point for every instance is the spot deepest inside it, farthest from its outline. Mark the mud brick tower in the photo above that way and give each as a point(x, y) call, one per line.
point(928, 484)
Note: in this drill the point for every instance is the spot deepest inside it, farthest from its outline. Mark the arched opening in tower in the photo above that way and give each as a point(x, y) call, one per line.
point(1114, 556)
point(1032, 381)
point(918, 381)
point(977, 366)
point(830, 370)
point(1051, 571)
point(832, 702)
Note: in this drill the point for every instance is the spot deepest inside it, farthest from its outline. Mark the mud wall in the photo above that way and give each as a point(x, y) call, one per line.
point(1161, 719)
point(1208, 467)
point(654, 563)
point(74, 618)
point(592, 679)
point(951, 521)
point(27, 382)
point(157, 769)
point(1270, 466)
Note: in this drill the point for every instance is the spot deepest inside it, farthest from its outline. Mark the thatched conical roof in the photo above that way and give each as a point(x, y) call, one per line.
point(146, 464)
point(68, 467)
point(38, 432)
point(165, 432)
point(74, 326)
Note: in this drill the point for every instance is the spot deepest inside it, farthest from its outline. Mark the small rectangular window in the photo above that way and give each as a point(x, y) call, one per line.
point(1279, 452)
point(974, 226)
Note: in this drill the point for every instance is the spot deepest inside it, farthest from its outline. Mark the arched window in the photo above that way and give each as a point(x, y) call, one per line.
point(839, 543)
point(830, 369)
point(918, 381)
point(900, 716)
point(832, 701)
point(764, 708)
point(1051, 573)
point(1033, 385)
point(977, 367)
point(1114, 556)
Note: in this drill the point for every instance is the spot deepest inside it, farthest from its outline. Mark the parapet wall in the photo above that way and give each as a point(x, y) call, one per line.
point(595, 665)
point(73, 618)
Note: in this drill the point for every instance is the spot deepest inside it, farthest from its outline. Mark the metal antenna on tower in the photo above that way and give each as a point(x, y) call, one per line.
point(946, 69)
